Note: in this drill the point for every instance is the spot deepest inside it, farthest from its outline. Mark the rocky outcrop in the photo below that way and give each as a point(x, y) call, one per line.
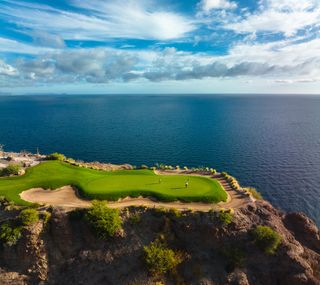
point(67, 252)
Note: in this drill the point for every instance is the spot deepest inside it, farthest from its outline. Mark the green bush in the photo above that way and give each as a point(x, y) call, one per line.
point(225, 217)
point(11, 169)
point(29, 216)
point(160, 259)
point(143, 166)
point(105, 221)
point(266, 239)
point(56, 156)
point(175, 212)
point(9, 234)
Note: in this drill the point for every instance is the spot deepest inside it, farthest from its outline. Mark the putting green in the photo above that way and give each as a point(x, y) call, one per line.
point(112, 185)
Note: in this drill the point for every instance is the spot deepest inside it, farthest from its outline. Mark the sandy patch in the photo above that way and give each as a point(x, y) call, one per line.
point(64, 197)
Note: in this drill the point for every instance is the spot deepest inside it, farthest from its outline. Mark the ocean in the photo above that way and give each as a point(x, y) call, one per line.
point(268, 142)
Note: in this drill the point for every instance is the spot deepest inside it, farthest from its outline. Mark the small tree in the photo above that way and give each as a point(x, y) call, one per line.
point(160, 259)
point(266, 239)
point(9, 234)
point(105, 221)
point(29, 216)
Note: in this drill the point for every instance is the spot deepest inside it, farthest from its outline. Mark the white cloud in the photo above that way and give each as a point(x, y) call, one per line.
point(285, 16)
point(208, 5)
point(8, 45)
point(283, 60)
point(103, 20)
point(48, 40)
point(6, 69)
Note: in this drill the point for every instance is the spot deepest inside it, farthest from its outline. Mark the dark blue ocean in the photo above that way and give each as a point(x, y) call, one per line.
point(269, 142)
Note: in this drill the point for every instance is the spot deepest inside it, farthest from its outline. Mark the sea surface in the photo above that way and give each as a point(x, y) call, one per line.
point(268, 142)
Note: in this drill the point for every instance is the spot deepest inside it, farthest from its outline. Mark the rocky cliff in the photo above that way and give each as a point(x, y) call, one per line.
point(65, 250)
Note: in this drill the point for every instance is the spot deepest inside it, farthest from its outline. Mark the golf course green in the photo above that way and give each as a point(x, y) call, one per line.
point(112, 185)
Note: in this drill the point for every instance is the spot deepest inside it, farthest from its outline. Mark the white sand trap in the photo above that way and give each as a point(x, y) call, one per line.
point(63, 197)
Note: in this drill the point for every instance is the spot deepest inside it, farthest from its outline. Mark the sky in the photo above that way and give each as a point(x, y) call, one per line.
point(159, 46)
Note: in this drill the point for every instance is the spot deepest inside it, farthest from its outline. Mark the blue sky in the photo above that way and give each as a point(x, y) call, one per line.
point(160, 46)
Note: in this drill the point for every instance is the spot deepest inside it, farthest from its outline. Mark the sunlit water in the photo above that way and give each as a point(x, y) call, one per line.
point(271, 143)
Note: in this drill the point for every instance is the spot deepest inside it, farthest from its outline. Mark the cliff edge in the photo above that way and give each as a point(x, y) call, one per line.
point(66, 251)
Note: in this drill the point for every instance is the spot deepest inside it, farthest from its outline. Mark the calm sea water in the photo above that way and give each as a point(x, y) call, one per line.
point(271, 143)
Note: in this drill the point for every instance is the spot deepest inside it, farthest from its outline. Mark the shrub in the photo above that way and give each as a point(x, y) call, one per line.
point(143, 166)
point(235, 256)
point(105, 221)
point(266, 239)
point(223, 173)
point(225, 217)
point(254, 193)
point(161, 259)
point(175, 212)
point(29, 216)
point(56, 156)
point(9, 234)
point(11, 169)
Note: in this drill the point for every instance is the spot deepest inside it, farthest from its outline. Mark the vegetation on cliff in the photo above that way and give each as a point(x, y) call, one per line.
point(29, 216)
point(160, 259)
point(105, 221)
point(159, 247)
point(266, 239)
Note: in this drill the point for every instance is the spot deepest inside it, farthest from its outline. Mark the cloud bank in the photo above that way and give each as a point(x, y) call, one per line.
point(102, 42)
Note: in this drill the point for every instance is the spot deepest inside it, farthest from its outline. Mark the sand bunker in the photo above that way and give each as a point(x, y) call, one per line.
point(67, 197)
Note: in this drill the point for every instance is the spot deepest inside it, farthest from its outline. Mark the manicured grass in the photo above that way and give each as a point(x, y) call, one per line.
point(112, 185)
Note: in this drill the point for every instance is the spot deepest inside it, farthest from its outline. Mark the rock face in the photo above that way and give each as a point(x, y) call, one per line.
point(65, 251)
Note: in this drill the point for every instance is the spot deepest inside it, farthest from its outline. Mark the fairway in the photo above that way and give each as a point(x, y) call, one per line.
point(112, 185)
